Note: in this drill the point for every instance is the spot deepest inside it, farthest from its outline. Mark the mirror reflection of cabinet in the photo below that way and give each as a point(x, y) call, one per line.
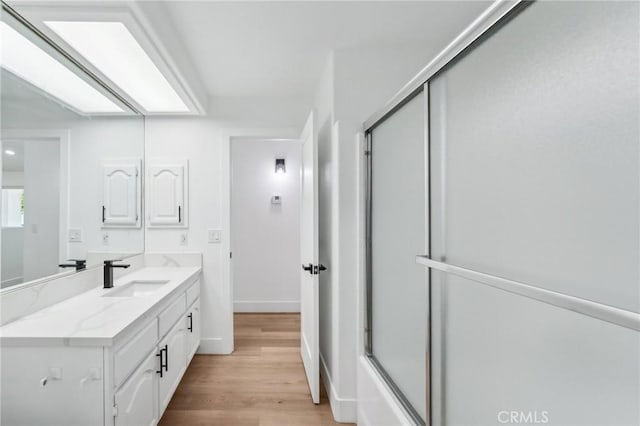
point(167, 193)
point(121, 196)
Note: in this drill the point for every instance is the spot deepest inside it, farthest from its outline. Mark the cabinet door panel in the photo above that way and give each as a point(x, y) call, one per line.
point(175, 360)
point(193, 329)
point(166, 194)
point(120, 197)
point(136, 401)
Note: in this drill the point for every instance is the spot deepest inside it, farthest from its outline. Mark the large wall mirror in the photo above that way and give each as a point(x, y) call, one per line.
point(71, 157)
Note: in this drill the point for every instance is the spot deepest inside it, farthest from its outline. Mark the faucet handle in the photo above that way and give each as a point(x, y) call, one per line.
point(79, 264)
point(109, 264)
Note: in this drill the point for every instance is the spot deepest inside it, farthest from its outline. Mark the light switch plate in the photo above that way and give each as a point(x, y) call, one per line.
point(75, 235)
point(215, 236)
point(55, 373)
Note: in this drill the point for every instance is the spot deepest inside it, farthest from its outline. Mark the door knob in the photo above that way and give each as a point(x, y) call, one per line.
point(308, 268)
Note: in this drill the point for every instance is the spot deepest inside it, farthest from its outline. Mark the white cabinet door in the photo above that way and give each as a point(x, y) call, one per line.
point(193, 329)
point(174, 360)
point(121, 202)
point(167, 194)
point(136, 401)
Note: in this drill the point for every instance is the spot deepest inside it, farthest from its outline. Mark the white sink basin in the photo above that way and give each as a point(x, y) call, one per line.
point(136, 289)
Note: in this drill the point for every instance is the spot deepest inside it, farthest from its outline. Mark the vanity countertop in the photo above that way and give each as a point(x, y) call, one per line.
point(89, 319)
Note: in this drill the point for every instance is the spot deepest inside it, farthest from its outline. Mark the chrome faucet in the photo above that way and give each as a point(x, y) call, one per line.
point(108, 272)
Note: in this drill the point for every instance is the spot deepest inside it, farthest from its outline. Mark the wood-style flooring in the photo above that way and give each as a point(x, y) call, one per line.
point(262, 383)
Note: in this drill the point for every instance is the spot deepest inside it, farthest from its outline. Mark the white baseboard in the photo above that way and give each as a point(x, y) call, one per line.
point(344, 409)
point(214, 346)
point(266, 306)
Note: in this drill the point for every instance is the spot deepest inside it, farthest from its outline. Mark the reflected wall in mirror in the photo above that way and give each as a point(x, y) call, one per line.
point(71, 155)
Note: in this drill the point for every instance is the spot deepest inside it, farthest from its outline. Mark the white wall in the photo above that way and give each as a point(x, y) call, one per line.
point(366, 79)
point(205, 142)
point(265, 236)
point(91, 143)
point(12, 179)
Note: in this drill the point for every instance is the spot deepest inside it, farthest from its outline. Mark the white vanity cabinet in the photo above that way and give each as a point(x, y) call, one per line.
point(51, 385)
point(166, 335)
point(128, 382)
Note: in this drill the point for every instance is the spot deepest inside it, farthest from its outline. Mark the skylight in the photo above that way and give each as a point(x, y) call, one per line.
point(112, 49)
point(29, 62)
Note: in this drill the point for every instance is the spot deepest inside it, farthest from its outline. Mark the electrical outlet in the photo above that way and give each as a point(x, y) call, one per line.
point(184, 239)
point(215, 236)
point(75, 235)
point(105, 239)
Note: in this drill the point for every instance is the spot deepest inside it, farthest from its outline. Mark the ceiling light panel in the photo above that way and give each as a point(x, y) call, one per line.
point(115, 52)
point(29, 62)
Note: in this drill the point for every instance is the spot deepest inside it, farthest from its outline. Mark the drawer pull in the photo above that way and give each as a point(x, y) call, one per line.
point(190, 316)
point(164, 360)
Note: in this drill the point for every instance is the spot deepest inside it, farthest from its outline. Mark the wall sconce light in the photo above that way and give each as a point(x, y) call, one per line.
point(280, 167)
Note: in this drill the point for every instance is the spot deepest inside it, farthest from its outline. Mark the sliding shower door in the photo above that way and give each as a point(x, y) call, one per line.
point(397, 286)
point(534, 136)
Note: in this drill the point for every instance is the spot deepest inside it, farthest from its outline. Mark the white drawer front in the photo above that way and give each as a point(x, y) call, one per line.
point(193, 293)
point(133, 352)
point(171, 314)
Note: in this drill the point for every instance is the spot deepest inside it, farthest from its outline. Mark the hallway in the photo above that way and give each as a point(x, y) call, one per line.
point(261, 383)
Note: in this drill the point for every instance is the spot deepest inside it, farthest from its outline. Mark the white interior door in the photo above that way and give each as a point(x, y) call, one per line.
point(309, 321)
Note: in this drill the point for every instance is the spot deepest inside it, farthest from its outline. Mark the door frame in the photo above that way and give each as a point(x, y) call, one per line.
point(63, 138)
point(225, 343)
point(231, 159)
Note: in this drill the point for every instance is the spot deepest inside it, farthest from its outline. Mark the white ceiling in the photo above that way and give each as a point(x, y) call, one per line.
point(280, 48)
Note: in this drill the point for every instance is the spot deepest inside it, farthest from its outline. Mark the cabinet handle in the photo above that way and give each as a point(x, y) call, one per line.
point(166, 358)
point(104, 209)
point(190, 316)
point(160, 355)
point(179, 214)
